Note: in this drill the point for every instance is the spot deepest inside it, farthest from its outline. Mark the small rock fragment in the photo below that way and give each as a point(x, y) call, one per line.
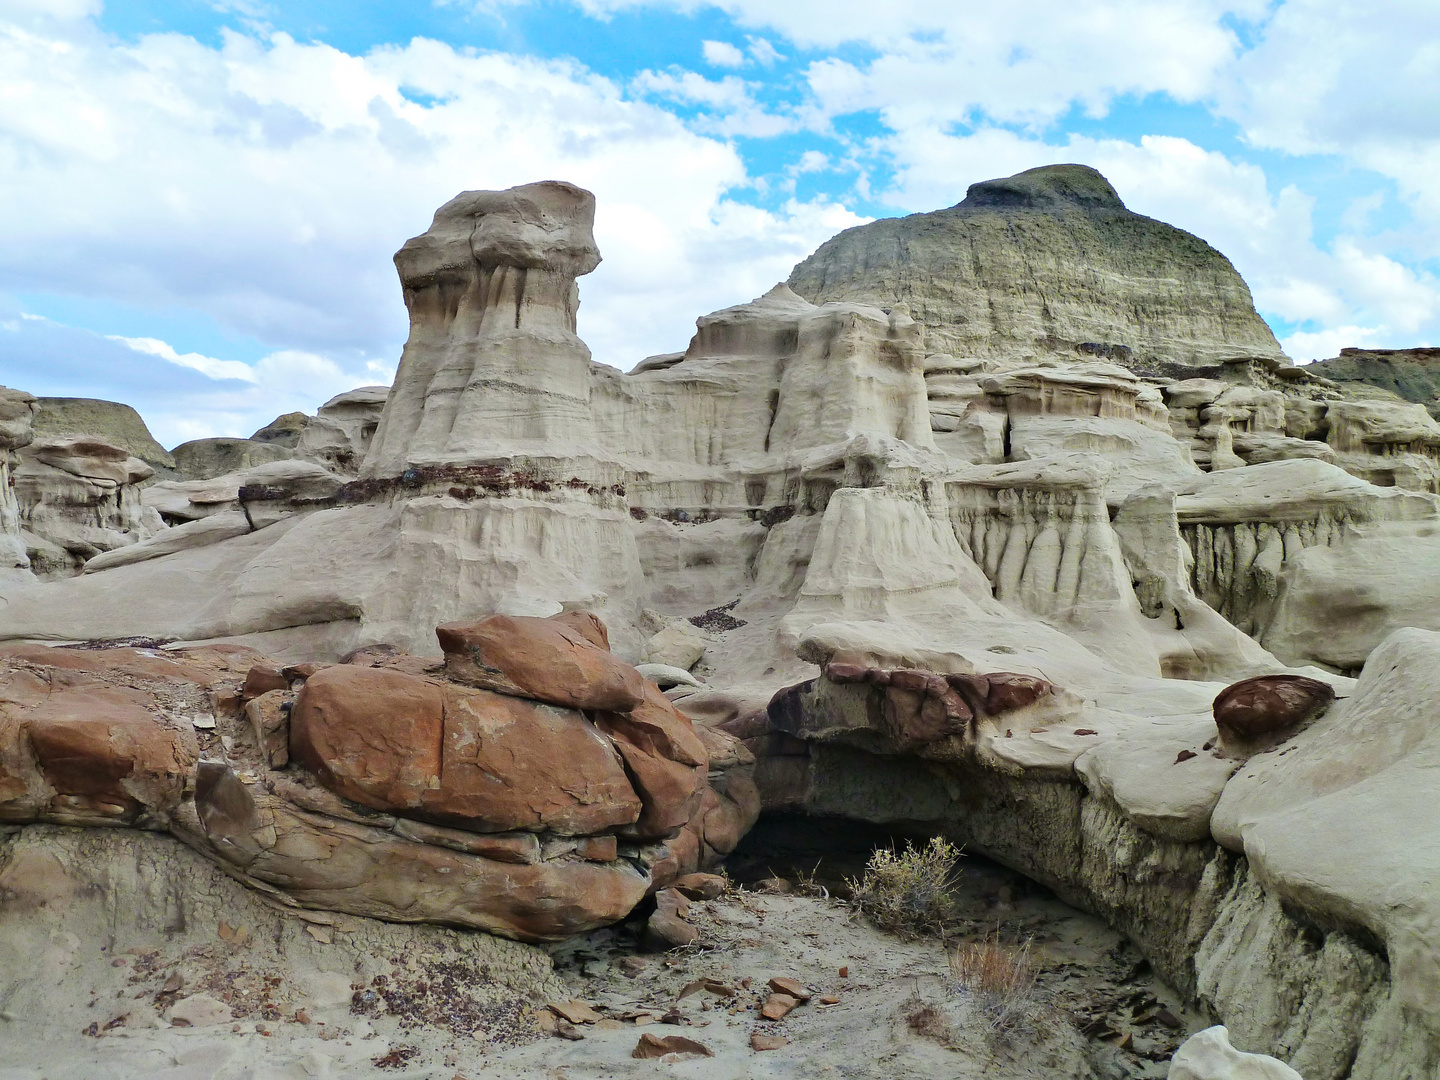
point(577, 1012)
point(1184, 755)
point(778, 1006)
point(656, 1046)
point(767, 1042)
point(199, 1010)
point(783, 984)
point(700, 886)
point(566, 1030)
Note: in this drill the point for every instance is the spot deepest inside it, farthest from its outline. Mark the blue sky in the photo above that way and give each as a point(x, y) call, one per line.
point(199, 198)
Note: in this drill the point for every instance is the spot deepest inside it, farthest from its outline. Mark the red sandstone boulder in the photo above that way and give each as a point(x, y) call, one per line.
point(587, 626)
point(544, 659)
point(370, 734)
point(104, 753)
point(920, 708)
point(509, 763)
point(665, 758)
point(728, 812)
point(470, 758)
point(1000, 691)
point(1269, 705)
point(263, 679)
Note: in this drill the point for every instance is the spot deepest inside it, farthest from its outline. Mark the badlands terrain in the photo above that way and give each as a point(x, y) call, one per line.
point(528, 718)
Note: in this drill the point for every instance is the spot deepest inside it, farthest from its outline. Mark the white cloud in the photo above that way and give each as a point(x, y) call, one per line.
point(722, 54)
point(763, 52)
point(206, 365)
point(266, 183)
point(1027, 61)
point(1306, 346)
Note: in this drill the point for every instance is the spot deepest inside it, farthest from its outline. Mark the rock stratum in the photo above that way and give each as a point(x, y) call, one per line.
point(531, 638)
point(1048, 262)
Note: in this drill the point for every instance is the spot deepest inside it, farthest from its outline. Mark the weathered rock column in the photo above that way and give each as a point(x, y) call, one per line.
point(493, 367)
point(17, 411)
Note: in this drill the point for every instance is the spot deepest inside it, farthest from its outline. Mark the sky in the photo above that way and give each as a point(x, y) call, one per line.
point(199, 199)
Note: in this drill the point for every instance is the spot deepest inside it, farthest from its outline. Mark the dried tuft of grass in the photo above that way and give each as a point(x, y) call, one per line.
point(908, 892)
point(1000, 978)
point(925, 1019)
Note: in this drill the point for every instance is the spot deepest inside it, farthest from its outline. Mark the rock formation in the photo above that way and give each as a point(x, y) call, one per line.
point(1000, 594)
point(205, 459)
point(1048, 262)
point(17, 413)
point(1409, 374)
point(339, 434)
point(382, 787)
point(109, 421)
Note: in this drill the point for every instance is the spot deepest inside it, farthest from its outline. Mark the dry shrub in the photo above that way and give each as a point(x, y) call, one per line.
point(1000, 978)
point(908, 892)
point(926, 1020)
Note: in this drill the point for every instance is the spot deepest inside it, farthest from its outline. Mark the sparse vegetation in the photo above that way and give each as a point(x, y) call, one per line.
point(908, 892)
point(925, 1019)
point(1000, 978)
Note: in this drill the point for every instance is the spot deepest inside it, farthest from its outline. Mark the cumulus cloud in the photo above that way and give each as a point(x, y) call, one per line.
point(1028, 61)
point(722, 54)
point(266, 182)
point(206, 365)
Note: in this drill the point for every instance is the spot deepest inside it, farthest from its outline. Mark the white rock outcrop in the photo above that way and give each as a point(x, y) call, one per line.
point(1208, 1055)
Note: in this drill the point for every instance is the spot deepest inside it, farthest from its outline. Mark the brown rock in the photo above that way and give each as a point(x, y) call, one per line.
point(488, 762)
point(509, 763)
point(539, 658)
point(511, 847)
point(261, 679)
point(680, 854)
point(227, 813)
point(1269, 705)
point(724, 750)
point(845, 673)
point(598, 848)
point(778, 1006)
point(783, 984)
point(919, 708)
point(665, 759)
point(396, 659)
point(587, 626)
point(700, 886)
point(269, 716)
point(655, 1046)
point(666, 930)
point(577, 1012)
point(727, 816)
point(999, 692)
point(371, 735)
point(767, 1042)
point(344, 866)
point(105, 754)
point(673, 901)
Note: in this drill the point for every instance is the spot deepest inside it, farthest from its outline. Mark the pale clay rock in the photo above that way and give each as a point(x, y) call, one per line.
point(1208, 1055)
